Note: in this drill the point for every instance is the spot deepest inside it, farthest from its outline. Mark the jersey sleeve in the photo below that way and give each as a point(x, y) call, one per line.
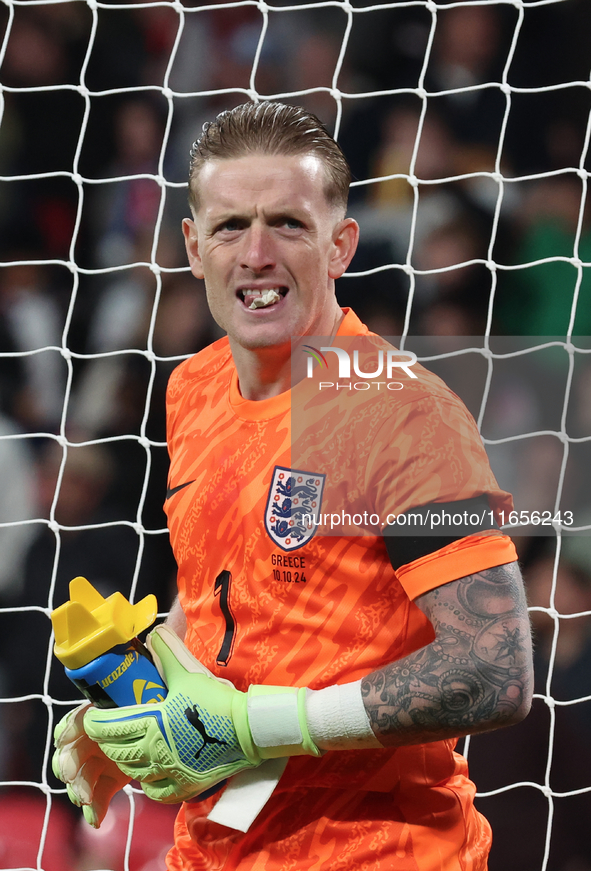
point(175, 398)
point(466, 556)
point(432, 453)
point(429, 452)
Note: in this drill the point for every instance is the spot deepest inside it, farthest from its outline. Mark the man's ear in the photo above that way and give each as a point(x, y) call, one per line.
point(192, 246)
point(345, 239)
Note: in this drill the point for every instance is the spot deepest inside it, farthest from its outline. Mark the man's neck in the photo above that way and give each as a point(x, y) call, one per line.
point(267, 372)
point(262, 372)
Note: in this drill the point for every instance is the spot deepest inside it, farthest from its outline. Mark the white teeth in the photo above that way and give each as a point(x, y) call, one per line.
point(267, 297)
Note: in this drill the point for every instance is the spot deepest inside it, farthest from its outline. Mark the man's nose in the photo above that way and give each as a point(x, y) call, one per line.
point(259, 252)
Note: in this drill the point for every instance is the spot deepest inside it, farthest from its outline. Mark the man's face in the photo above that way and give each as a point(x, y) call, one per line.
point(264, 224)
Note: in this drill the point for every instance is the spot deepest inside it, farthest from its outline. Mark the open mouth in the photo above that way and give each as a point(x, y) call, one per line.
point(253, 298)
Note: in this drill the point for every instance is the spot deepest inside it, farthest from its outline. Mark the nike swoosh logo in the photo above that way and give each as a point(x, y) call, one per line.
point(174, 490)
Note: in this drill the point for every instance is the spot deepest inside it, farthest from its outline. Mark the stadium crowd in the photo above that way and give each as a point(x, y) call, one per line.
point(107, 218)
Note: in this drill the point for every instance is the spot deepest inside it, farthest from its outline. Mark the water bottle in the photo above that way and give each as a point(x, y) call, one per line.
point(95, 640)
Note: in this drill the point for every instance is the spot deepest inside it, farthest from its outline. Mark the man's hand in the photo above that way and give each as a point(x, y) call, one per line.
point(91, 778)
point(200, 734)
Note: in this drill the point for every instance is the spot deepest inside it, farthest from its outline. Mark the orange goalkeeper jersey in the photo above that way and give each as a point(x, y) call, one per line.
point(273, 601)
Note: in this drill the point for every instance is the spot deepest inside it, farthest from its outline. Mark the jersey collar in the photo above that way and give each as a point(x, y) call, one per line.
point(265, 409)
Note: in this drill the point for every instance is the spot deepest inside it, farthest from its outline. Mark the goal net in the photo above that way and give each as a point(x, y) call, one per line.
point(466, 125)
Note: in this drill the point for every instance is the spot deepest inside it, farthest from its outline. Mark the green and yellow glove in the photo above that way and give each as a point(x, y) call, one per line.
point(91, 778)
point(203, 732)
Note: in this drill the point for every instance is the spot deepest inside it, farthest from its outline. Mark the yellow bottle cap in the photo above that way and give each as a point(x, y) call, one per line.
point(89, 625)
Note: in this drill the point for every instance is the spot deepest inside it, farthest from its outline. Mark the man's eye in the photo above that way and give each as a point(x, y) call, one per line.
point(229, 226)
point(291, 223)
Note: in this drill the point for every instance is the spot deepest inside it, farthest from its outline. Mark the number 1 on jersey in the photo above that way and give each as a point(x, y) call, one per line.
point(222, 589)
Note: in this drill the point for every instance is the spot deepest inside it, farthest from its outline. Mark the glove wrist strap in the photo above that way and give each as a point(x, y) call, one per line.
point(277, 720)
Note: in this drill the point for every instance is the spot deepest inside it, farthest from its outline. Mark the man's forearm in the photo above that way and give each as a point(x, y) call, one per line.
point(476, 675)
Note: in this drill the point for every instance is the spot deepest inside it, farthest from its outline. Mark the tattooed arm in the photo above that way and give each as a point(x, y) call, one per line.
point(476, 675)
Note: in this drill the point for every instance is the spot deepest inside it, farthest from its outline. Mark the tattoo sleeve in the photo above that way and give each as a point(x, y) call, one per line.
point(474, 677)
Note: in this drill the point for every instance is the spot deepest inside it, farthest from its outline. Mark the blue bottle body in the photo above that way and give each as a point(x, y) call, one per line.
point(125, 675)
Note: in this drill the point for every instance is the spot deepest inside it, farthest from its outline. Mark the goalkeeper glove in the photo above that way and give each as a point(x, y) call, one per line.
point(91, 778)
point(206, 730)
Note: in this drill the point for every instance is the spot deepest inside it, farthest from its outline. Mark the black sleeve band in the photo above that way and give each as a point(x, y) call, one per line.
point(423, 530)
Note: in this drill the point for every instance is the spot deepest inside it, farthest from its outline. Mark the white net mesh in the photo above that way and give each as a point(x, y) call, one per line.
point(467, 128)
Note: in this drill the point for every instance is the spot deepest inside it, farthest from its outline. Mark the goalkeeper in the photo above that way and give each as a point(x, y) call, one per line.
point(317, 684)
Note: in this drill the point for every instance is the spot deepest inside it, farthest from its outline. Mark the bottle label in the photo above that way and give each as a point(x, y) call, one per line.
point(125, 675)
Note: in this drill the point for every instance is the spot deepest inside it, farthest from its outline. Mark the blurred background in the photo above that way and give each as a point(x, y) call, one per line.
point(88, 339)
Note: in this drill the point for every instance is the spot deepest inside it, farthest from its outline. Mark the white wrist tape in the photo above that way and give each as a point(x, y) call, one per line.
point(337, 719)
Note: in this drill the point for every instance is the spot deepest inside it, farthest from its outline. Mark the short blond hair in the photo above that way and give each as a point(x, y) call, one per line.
point(270, 128)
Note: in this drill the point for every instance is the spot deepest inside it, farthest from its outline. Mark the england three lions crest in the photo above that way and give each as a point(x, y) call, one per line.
point(293, 507)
